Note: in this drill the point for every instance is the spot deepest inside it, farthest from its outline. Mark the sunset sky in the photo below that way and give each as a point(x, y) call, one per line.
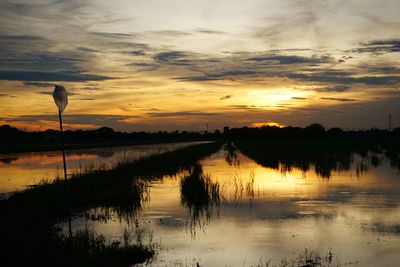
point(179, 64)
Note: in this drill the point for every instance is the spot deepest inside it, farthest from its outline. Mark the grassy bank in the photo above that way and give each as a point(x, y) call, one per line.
point(27, 232)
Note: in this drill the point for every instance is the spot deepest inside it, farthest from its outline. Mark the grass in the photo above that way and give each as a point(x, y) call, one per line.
point(28, 235)
point(91, 249)
point(200, 195)
point(306, 259)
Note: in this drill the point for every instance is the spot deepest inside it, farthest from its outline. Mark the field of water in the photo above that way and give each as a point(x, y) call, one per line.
point(20, 170)
point(229, 210)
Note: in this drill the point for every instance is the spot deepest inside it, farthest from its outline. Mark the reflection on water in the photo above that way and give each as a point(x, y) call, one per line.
point(232, 211)
point(200, 195)
point(19, 170)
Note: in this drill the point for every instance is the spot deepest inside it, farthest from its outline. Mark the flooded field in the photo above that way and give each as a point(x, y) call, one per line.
point(229, 210)
point(19, 170)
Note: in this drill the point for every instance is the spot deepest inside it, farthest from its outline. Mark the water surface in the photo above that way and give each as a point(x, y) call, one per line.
point(239, 213)
point(19, 170)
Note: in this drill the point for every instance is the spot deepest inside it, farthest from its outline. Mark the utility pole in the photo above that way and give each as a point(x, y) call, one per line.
point(390, 122)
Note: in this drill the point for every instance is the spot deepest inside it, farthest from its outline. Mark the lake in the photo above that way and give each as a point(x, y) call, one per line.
point(231, 211)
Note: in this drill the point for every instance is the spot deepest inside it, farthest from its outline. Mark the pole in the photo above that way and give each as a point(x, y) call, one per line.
point(65, 175)
point(390, 123)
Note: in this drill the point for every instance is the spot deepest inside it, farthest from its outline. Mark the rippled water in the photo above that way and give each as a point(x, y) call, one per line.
point(19, 170)
point(231, 211)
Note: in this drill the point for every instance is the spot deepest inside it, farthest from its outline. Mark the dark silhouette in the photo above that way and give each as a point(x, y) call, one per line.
point(201, 196)
point(14, 140)
point(28, 232)
point(324, 155)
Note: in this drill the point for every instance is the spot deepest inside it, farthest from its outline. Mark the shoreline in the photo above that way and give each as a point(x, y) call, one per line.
point(55, 147)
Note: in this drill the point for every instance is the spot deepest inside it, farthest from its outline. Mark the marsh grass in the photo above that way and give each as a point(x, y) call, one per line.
point(86, 248)
point(241, 188)
point(305, 259)
point(201, 196)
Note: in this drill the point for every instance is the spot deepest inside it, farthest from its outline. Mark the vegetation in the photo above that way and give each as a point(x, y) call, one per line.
point(305, 259)
point(200, 195)
point(325, 155)
point(15, 140)
point(86, 248)
point(28, 235)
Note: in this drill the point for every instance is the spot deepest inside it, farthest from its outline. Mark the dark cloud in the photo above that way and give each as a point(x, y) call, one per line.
point(243, 107)
point(172, 58)
point(97, 119)
point(206, 31)
point(338, 89)
point(145, 66)
point(38, 84)
point(226, 97)
point(19, 38)
point(338, 99)
point(87, 49)
point(113, 35)
point(36, 61)
point(345, 78)
point(139, 46)
point(281, 59)
point(298, 98)
point(45, 92)
point(137, 53)
point(37, 76)
point(384, 70)
point(379, 46)
point(218, 76)
point(182, 114)
point(171, 33)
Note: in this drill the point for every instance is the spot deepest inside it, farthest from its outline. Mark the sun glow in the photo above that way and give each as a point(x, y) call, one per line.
point(269, 123)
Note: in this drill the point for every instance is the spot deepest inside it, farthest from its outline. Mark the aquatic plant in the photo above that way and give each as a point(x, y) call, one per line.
point(200, 195)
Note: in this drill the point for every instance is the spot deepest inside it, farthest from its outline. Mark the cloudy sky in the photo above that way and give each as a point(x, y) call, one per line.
point(179, 64)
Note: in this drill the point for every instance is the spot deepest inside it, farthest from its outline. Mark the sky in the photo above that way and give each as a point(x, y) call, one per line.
point(180, 64)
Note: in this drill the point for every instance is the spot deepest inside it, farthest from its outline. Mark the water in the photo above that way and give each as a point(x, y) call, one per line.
point(19, 170)
point(231, 211)
point(239, 213)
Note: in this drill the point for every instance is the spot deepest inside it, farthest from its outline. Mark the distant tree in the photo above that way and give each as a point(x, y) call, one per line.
point(335, 131)
point(315, 127)
point(314, 130)
point(396, 131)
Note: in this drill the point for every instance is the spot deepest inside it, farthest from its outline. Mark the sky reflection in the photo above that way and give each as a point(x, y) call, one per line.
point(355, 217)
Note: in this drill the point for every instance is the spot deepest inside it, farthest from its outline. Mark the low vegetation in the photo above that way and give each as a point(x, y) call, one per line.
point(29, 237)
